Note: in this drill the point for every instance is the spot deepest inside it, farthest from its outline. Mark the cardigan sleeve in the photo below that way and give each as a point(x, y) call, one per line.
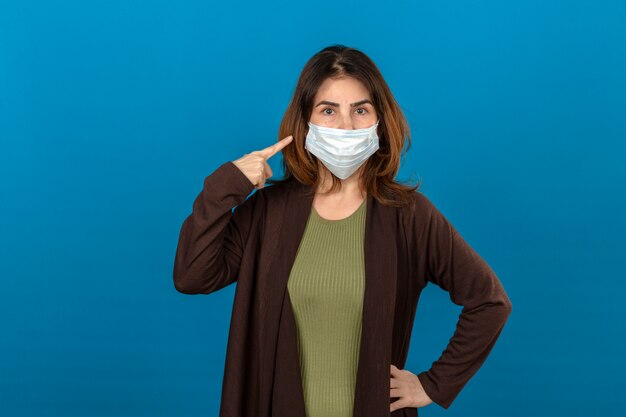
point(212, 237)
point(452, 264)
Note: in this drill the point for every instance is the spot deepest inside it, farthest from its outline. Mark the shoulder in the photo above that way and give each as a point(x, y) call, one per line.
point(267, 197)
point(422, 202)
point(421, 216)
point(420, 206)
point(275, 191)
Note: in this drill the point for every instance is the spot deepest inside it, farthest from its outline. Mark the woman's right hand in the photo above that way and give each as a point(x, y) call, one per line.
point(254, 164)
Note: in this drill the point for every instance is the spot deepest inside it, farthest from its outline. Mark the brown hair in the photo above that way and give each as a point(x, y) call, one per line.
point(379, 171)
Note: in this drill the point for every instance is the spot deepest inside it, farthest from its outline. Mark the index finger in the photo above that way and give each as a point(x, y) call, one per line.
point(277, 147)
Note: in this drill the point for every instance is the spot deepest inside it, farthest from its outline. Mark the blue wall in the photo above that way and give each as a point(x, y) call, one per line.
point(113, 112)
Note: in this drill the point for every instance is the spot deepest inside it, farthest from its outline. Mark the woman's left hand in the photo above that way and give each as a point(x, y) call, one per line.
point(406, 386)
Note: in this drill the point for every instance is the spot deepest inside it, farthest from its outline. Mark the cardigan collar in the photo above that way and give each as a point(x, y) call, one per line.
point(279, 350)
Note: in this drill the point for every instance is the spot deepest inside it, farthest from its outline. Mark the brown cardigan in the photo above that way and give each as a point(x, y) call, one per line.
point(255, 245)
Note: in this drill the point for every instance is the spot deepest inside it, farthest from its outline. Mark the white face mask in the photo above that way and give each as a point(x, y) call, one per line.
point(342, 151)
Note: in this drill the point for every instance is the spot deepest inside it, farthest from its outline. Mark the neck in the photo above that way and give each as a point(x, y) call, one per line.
point(349, 187)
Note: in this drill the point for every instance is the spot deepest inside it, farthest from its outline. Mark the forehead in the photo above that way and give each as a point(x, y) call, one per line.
point(344, 89)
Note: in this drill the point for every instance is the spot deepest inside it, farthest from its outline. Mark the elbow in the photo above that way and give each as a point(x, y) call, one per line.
point(505, 307)
point(508, 305)
point(502, 305)
point(186, 287)
point(186, 277)
point(184, 281)
point(199, 282)
point(202, 277)
point(499, 309)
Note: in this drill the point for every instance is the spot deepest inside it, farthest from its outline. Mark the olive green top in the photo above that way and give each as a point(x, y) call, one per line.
point(326, 286)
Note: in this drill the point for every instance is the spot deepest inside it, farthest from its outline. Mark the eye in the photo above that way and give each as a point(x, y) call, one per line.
point(364, 111)
point(325, 111)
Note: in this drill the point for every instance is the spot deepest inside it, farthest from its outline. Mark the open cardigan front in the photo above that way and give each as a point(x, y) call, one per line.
point(405, 248)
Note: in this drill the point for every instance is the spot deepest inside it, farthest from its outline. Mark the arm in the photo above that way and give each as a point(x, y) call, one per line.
point(452, 264)
point(212, 237)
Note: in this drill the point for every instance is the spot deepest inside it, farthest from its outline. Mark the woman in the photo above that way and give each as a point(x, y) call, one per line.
point(331, 259)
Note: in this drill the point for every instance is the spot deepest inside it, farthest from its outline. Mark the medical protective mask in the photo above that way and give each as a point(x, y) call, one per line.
point(342, 151)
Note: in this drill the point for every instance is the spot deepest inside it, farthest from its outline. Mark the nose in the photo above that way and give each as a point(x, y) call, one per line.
point(345, 122)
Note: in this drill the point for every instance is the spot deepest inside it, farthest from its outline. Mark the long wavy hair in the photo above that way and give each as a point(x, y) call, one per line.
point(379, 171)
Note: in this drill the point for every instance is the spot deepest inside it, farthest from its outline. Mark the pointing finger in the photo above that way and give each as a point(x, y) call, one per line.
point(275, 148)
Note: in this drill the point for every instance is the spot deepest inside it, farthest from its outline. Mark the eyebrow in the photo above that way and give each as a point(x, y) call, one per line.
point(330, 103)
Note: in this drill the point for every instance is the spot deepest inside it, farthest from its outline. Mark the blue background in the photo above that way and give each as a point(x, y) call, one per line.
point(113, 112)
